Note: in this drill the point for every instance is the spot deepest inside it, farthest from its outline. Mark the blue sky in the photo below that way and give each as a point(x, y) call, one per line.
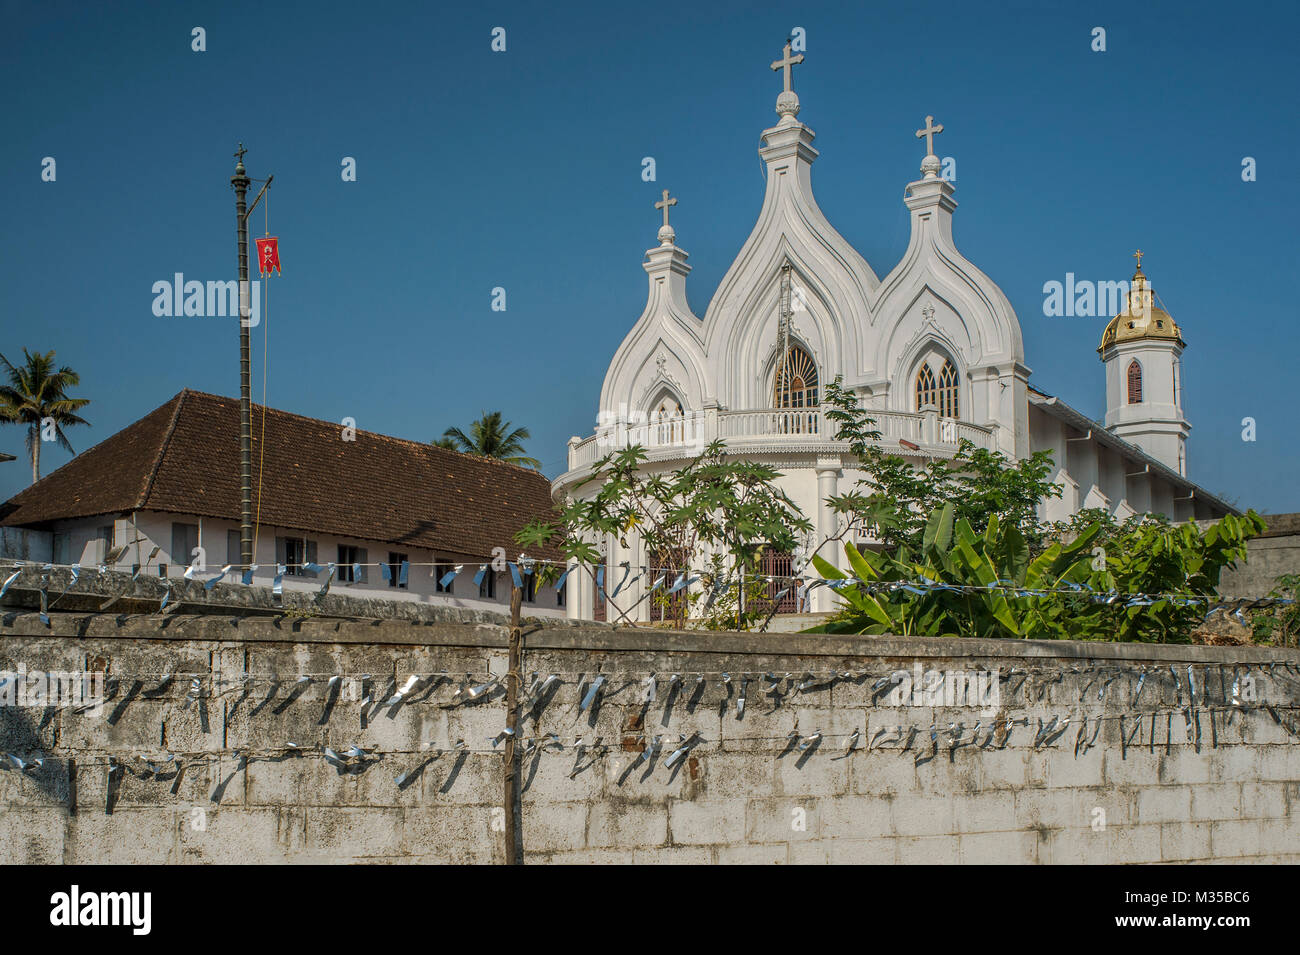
point(522, 170)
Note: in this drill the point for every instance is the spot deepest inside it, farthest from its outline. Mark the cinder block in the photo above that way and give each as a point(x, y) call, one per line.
point(673, 855)
point(32, 836)
point(998, 848)
point(862, 851)
point(1135, 844)
point(927, 850)
point(766, 854)
point(986, 812)
point(353, 833)
point(1236, 839)
point(1216, 801)
point(788, 819)
point(617, 823)
point(1184, 841)
point(134, 836)
point(707, 822)
point(1045, 808)
point(816, 774)
point(728, 775)
point(1157, 804)
point(857, 817)
point(554, 826)
point(923, 816)
point(885, 772)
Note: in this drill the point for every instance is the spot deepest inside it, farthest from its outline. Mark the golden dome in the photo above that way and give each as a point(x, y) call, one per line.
point(1141, 318)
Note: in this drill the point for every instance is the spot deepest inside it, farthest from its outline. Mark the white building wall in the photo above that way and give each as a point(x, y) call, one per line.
point(144, 530)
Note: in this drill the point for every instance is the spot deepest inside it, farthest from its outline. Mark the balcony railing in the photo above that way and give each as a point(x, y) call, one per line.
point(786, 429)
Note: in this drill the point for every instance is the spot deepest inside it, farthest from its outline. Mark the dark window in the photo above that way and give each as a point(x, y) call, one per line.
point(232, 548)
point(560, 593)
point(1134, 383)
point(295, 555)
point(488, 588)
point(439, 571)
point(185, 538)
point(348, 555)
point(395, 561)
point(530, 587)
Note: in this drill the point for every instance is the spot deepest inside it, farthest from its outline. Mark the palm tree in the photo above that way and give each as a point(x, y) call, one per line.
point(490, 437)
point(37, 397)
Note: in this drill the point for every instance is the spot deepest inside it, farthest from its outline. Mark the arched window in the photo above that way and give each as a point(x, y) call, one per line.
point(948, 391)
point(1134, 382)
point(796, 381)
point(666, 421)
point(942, 393)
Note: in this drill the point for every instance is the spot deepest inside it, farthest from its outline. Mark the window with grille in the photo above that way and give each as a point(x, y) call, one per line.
point(1134, 383)
point(941, 392)
point(796, 380)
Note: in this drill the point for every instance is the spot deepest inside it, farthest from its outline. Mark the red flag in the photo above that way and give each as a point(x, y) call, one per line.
point(268, 255)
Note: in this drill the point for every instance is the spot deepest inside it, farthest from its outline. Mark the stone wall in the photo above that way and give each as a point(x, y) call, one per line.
point(1272, 554)
point(1165, 773)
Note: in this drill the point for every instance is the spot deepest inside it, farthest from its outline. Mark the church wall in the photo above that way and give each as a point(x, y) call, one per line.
point(1136, 783)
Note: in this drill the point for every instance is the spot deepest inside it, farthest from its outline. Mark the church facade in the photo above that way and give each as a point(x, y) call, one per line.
point(933, 350)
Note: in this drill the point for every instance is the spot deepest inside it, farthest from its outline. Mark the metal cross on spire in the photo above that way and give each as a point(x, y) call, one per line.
point(239, 153)
point(1138, 255)
point(929, 133)
point(664, 204)
point(786, 63)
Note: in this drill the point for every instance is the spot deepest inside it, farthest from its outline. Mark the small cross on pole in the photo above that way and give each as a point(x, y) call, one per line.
point(239, 153)
point(786, 62)
point(664, 204)
point(929, 134)
point(1138, 255)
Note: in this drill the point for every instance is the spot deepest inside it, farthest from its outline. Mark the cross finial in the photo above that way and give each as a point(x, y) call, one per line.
point(786, 63)
point(929, 134)
point(239, 153)
point(664, 204)
point(1138, 255)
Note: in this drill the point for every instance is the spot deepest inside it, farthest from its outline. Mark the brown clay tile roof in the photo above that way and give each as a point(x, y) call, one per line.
point(183, 458)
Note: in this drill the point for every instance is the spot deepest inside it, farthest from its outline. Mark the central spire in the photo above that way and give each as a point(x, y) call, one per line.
point(787, 104)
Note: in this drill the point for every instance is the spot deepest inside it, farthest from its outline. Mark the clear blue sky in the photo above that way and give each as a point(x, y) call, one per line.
point(522, 169)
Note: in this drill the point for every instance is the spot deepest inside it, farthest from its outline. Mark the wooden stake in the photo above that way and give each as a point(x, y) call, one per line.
point(513, 807)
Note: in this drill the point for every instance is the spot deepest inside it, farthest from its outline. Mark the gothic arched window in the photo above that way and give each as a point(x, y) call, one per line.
point(666, 421)
point(796, 381)
point(1134, 382)
point(948, 391)
point(941, 393)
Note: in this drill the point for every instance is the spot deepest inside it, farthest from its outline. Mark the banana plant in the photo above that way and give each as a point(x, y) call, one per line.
point(990, 585)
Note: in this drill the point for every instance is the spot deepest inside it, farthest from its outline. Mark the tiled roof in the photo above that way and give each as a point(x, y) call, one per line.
point(183, 458)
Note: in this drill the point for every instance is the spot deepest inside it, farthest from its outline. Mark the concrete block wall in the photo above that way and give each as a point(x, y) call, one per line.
point(1167, 773)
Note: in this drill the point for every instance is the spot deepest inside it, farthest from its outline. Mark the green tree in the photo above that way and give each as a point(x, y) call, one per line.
point(896, 497)
point(715, 509)
point(490, 437)
point(36, 396)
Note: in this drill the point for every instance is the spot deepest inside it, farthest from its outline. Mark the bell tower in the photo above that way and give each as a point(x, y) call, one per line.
point(1142, 349)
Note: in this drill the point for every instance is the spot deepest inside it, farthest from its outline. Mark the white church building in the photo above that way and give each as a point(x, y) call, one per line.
point(933, 349)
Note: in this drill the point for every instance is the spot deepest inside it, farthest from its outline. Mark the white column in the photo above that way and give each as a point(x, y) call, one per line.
point(828, 482)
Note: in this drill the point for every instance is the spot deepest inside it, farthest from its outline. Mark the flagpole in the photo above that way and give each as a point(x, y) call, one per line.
point(240, 181)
